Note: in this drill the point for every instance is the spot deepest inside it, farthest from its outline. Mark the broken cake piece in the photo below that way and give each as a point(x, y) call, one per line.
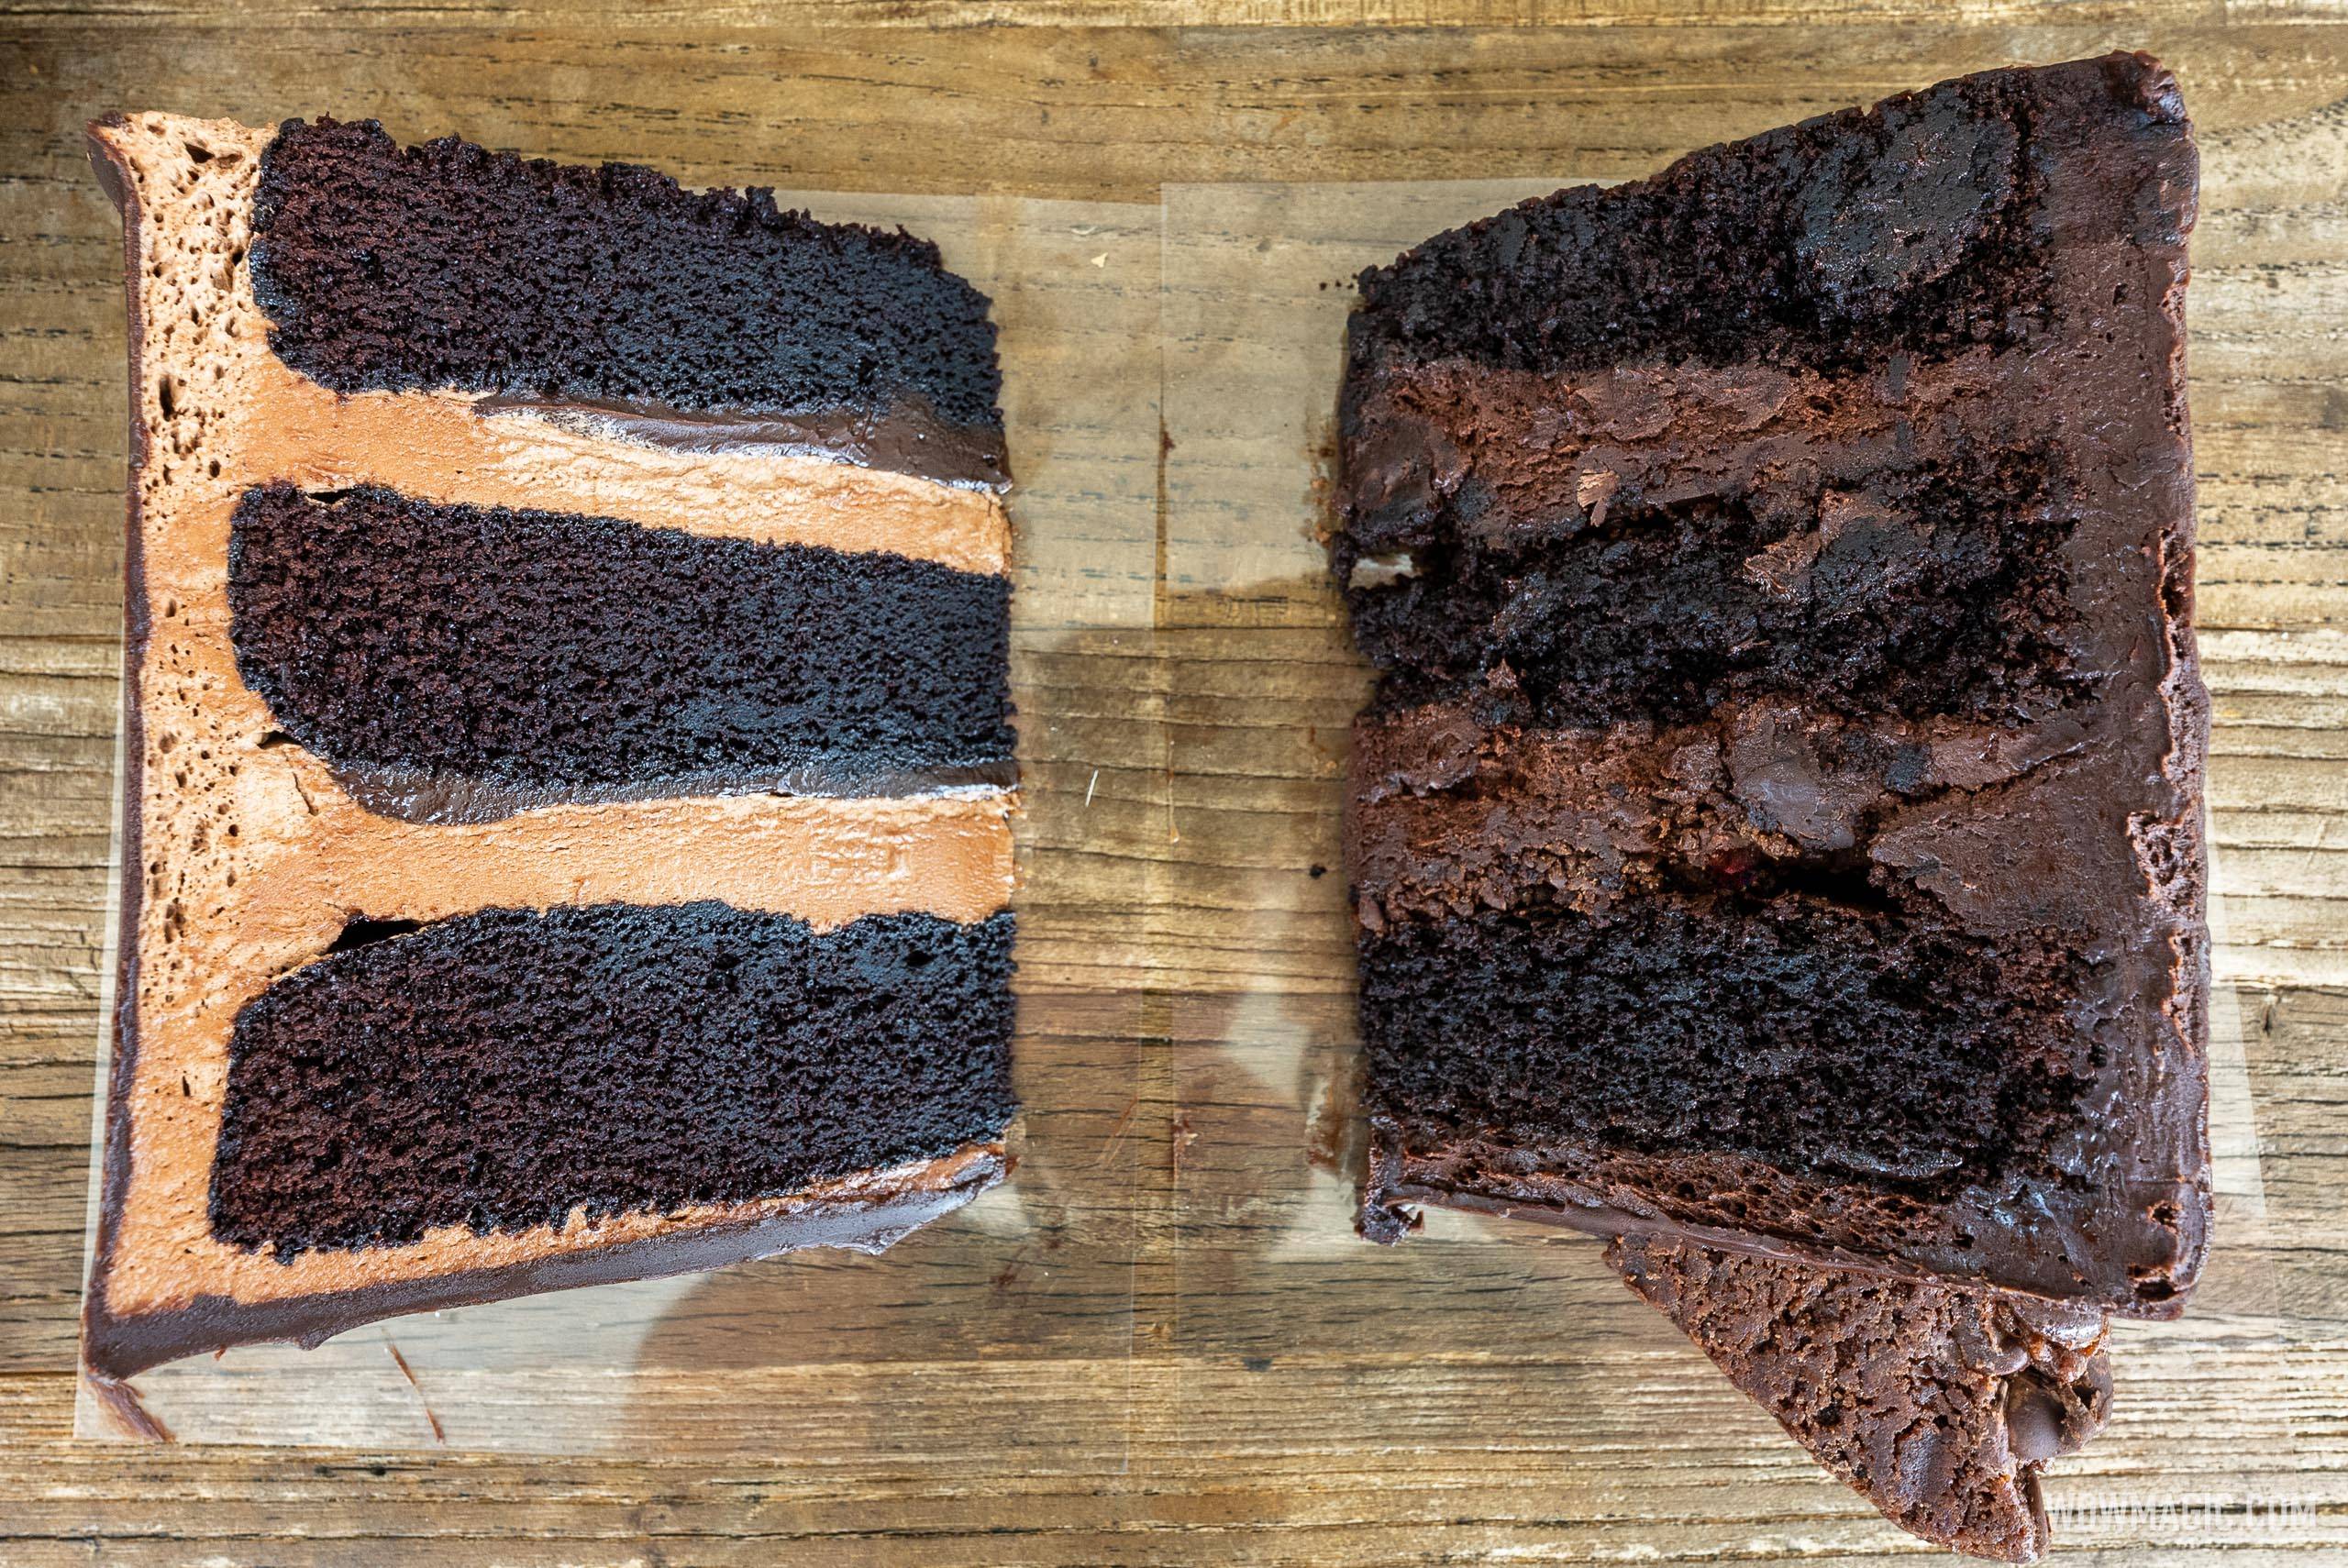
point(1938, 1405)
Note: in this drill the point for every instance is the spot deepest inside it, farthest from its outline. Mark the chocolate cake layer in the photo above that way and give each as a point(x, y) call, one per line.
point(1914, 226)
point(1940, 1406)
point(535, 655)
point(1809, 1027)
point(446, 265)
point(1779, 818)
point(501, 1069)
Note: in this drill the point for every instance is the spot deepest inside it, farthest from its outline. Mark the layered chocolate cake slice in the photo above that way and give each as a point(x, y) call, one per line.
point(1779, 823)
point(1938, 1405)
point(567, 832)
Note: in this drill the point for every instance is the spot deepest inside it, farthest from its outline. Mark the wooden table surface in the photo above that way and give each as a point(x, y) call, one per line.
point(1179, 924)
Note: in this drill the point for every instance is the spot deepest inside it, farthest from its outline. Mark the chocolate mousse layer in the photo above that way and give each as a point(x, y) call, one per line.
point(1449, 815)
point(1939, 1406)
point(446, 265)
point(1778, 820)
point(491, 1071)
point(455, 661)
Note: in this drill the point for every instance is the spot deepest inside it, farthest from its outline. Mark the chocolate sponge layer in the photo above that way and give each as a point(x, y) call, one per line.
point(1910, 227)
point(551, 652)
point(498, 1069)
point(1828, 1037)
point(446, 265)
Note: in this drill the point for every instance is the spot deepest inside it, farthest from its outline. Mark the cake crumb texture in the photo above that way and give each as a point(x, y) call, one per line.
point(448, 265)
point(1938, 1405)
point(499, 1069)
point(543, 650)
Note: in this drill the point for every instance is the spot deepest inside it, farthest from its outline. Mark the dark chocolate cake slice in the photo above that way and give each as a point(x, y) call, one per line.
point(1779, 815)
point(568, 816)
point(1777, 832)
point(1938, 1405)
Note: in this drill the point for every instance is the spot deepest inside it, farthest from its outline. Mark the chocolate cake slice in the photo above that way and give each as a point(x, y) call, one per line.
point(566, 821)
point(1775, 837)
point(1779, 818)
point(1938, 1405)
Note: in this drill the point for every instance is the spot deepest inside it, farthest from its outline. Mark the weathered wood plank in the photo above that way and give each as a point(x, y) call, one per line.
point(695, 19)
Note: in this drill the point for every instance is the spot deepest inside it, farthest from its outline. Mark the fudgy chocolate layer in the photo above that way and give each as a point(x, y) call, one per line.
point(1795, 246)
point(1938, 1405)
point(500, 1069)
point(544, 653)
point(1802, 1025)
point(446, 265)
point(1917, 592)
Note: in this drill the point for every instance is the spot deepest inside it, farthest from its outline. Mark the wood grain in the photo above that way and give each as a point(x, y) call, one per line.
point(701, 18)
point(1288, 1395)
